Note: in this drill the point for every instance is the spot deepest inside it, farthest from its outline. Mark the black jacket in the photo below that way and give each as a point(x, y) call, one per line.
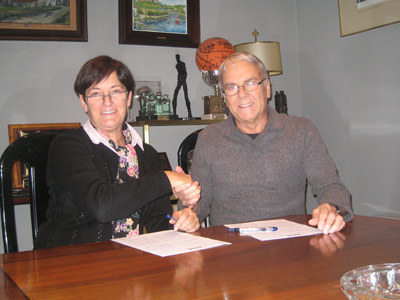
point(85, 198)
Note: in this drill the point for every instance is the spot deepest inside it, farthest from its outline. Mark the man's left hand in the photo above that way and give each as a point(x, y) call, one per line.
point(327, 219)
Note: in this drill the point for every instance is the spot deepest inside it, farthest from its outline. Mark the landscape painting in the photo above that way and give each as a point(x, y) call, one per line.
point(167, 16)
point(35, 14)
point(47, 20)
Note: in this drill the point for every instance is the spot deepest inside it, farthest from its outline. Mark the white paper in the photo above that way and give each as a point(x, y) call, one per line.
point(286, 229)
point(169, 242)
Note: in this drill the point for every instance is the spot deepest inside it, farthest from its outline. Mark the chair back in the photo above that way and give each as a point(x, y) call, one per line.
point(32, 150)
point(185, 151)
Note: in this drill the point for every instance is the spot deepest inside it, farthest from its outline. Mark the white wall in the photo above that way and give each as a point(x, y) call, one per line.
point(350, 89)
point(347, 86)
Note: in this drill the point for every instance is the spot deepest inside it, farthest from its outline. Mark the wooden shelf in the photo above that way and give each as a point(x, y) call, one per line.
point(173, 122)
point(147, 124)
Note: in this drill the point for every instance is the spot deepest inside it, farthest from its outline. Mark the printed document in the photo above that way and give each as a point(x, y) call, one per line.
point(286, 229)
point(169, 242)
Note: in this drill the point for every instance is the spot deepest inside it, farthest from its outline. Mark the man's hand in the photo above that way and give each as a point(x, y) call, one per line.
point(189, 194)
point(327, 219)
point(187, 220)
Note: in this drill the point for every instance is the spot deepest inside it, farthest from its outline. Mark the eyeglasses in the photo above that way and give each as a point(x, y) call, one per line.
point(250, 86)
point(114, 95)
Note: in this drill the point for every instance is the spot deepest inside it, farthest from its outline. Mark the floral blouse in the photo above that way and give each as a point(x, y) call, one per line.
point(128, 164)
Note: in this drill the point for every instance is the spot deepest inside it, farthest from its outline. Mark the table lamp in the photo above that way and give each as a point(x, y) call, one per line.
point(268, 52)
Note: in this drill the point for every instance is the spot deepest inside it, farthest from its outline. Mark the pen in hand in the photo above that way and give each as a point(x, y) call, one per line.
point(171, 218)
point(176, 220)
point(250, 229)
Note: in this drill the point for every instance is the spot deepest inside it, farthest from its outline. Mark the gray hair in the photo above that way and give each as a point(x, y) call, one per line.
point(239, 56)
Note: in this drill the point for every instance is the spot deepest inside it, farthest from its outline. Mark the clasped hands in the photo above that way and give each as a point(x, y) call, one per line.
point(184, 188)
point(187, 190)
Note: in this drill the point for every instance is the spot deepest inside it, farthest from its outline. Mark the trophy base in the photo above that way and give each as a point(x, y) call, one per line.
point(213, 104)
point(214, 116)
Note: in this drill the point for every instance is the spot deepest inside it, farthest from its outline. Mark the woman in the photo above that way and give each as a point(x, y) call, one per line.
point(104, 182)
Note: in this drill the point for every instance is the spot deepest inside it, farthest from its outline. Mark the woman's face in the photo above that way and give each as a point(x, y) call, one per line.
point(107, 113)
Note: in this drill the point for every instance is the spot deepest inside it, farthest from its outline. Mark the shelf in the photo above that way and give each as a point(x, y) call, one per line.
point(146, 124)
point(173, 122)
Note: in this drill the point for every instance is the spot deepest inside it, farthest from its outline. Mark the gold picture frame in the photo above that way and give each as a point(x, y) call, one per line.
point(361, 15)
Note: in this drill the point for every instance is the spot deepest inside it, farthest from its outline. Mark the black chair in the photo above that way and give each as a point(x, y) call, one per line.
point(185, 151)
point(31, 150)
point(185, 154)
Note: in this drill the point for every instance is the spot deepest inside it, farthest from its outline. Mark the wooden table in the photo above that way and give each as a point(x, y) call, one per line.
point(297, 268)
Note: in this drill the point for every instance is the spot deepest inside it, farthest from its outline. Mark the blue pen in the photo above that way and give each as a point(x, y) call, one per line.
point(171, 218)
point(250, 229)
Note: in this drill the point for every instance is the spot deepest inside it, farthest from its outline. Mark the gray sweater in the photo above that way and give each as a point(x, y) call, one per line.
point(245, 179)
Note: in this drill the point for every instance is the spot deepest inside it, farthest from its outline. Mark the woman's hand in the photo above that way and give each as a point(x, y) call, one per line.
point(177, 179)
point(187, 220)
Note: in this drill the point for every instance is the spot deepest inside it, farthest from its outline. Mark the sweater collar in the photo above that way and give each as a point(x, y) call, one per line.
point(97, 138)
point(275, 122)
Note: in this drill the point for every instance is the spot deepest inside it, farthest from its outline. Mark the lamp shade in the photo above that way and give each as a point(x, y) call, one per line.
point(268, 52)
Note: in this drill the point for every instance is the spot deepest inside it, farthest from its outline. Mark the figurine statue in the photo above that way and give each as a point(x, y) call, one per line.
point(281, 102)
point(182, 74)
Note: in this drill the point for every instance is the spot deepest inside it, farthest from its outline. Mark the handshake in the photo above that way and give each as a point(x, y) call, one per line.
point(188, 192)
point(184, 188)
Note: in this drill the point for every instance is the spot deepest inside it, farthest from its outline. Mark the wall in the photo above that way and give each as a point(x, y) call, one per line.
point(36, 77)
point(350, 90)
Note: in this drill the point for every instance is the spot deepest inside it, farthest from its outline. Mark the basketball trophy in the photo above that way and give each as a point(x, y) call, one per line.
point(209, 56)
point(213, 104)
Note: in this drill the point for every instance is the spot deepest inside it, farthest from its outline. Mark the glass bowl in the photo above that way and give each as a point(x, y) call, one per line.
point(372, 282)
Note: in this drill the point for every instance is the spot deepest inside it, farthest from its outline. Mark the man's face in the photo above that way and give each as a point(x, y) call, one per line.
point(248, 108)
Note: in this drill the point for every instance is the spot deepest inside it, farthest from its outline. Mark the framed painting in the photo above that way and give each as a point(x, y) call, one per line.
point(174, 23)
point(361, 15)
point(61, 20)
point(16, 131)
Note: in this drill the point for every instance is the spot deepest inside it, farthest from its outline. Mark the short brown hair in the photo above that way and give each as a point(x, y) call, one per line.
point(99, 68)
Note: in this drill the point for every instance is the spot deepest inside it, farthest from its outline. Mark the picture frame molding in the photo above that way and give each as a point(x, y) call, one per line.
point(53, 32)
point(129, 36)
point(354, 21)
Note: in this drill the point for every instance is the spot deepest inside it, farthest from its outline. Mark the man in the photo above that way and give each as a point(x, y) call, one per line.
point(256, 164)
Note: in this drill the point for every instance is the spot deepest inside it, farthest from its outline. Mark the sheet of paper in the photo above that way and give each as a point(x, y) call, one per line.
point(169, 242)
point(286, 229)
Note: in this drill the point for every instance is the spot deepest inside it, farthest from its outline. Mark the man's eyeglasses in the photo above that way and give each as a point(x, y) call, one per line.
point(114, 95)
point(250, 86)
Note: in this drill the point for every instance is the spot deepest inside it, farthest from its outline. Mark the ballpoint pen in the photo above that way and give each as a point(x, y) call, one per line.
point(253, 229)
point(176, 220)
point(171, 218)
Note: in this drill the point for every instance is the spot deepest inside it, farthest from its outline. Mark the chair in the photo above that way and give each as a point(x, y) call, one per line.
point(185, 151)
point(185, 154)
point(32, 150)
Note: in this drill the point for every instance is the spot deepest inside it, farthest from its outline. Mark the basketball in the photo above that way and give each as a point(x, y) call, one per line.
point(212, 52)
